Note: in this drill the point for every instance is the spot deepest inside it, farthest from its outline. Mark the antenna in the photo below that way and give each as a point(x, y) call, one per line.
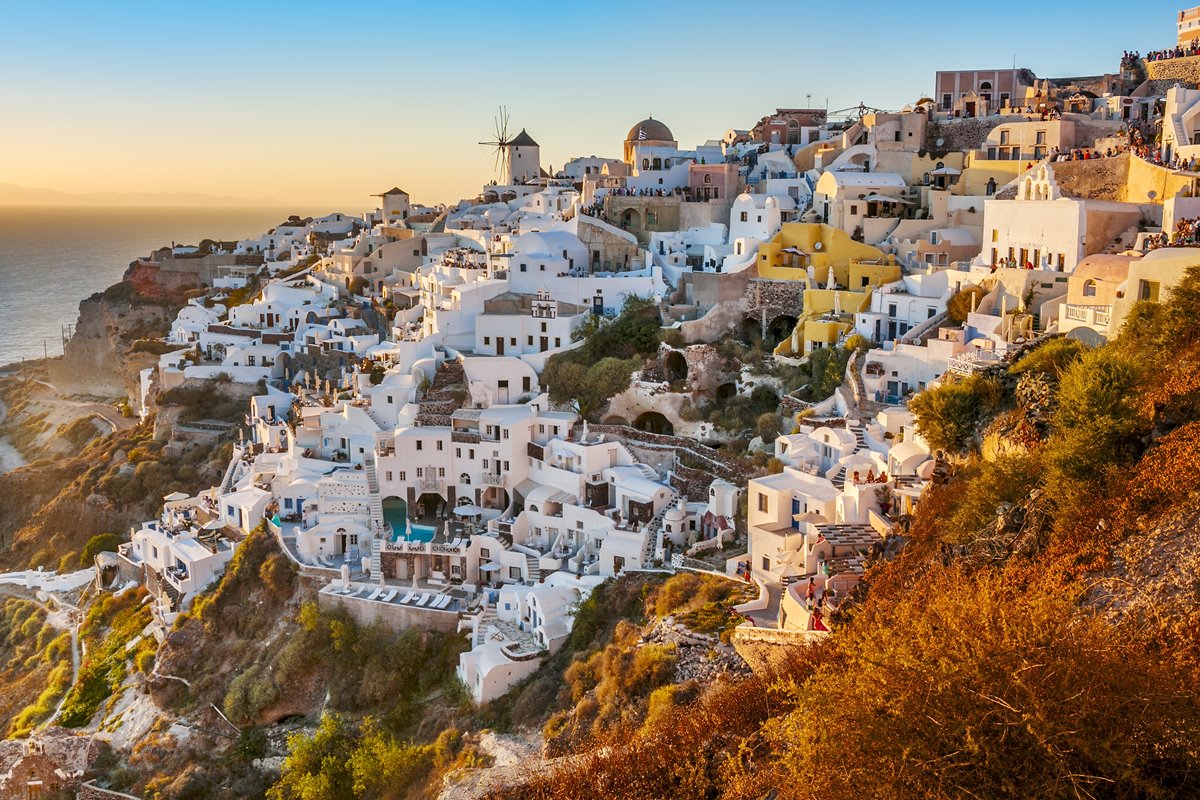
point(501, 142)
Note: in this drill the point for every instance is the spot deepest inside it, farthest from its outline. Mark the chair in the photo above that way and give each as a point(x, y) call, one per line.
point(387, 598)
point(375, 594)
point(423, 599)
point(408, 597)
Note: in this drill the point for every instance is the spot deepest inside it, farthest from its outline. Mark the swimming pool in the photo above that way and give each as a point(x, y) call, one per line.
point(421, 533)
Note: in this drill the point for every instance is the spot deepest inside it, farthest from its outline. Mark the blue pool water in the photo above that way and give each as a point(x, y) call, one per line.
point(421, 533)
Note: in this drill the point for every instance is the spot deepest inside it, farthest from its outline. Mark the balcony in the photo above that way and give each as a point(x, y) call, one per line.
point(492, 479)
point(534, 450)
point(1089, 315)
point(464, 437)
point(970, 363)
point(429, 485)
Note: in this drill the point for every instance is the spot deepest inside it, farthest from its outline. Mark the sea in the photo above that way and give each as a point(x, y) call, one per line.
point(52, 257)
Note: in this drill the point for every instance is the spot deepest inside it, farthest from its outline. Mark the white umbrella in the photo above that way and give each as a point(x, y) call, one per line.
point(468, 510)
point(830, 282)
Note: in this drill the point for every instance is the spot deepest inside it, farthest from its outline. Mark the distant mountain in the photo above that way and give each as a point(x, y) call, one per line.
point(13, 195)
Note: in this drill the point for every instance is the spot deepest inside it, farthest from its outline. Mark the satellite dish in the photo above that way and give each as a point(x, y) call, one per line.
point(940, 142)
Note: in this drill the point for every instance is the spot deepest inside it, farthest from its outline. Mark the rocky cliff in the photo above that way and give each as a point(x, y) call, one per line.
point(100, 358)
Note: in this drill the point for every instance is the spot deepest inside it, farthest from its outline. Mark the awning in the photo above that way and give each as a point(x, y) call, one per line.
point(883, 198)
point(467, 510)
point(945, 171)
point(173, 496)
point(488, 567)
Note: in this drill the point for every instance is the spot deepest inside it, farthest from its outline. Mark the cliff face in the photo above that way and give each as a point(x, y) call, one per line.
point(98, 359)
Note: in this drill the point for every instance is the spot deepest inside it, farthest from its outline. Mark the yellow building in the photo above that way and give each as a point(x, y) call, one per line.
point(839, 275)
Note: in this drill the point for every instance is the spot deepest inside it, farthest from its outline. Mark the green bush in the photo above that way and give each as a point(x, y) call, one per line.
point(949, 414)
point(100, 543)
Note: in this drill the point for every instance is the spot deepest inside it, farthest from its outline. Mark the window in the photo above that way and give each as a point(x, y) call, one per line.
point(651, 218)
point(995, 234)
point(530, 341)
point(485, 553)
point(441, 472)
point(487, 340)
point(403, 476)
point(946, 101)
point(897, 136)
point(853, 210)
point(1040, 137)
point(1089, 288)
point(420, 472)
point(522, 267)
point(419, 444)
point(504, 433)
point(558, 341)
point(745, 216)
point(1004, 137)
point(708, 178)
point(514, 573)
point(762, 502)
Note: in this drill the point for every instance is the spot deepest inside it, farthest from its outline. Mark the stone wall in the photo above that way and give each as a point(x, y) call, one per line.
point(1182, 70)
point(768, 299)
point(394, 616)
point(768, 650)
point(90, 791)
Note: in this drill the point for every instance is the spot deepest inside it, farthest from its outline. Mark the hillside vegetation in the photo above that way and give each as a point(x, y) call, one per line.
point(1010, 649)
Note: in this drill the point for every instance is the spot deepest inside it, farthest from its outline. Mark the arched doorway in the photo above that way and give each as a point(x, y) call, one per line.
point(675, 366)
point(727, 391)
point(781, 327)
point(429, 507)
point(631, 219)
point(615, 420)
point(654, 422)
point(751, 330)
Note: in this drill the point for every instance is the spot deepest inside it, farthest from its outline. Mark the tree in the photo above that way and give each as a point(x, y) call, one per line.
point(768, 426)
point(958, 306)
point(947, 415)
point(1097, 422)
point(101, 543)
point(317, 766)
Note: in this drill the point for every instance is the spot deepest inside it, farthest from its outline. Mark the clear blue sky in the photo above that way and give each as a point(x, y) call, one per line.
point(323, 103)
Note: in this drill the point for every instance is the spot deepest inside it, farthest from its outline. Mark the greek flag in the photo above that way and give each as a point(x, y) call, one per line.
point(641, 133)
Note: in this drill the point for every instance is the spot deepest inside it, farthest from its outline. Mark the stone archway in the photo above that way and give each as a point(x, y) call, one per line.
point(630, 218)
point(615, 420)
point(727, 391)
point(654, 422)
point(781, 327)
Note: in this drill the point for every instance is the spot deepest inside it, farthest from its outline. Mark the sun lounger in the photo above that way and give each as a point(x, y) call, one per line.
point(408, 597)
point(358, 591)
point(375, 594)
point(390, 596)
point(444, 601)
point(423, 599)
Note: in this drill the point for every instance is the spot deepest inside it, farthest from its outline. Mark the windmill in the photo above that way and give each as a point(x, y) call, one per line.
point(501, 144)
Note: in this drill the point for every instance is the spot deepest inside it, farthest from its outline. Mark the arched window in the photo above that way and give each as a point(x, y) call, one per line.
point(464, 479)
point(708, 178)
point(985, 86)
point(645, 163)
point(1089, 288)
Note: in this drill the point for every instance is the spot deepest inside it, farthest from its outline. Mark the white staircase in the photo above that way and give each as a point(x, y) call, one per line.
point(375, 509)
point(533, 569)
